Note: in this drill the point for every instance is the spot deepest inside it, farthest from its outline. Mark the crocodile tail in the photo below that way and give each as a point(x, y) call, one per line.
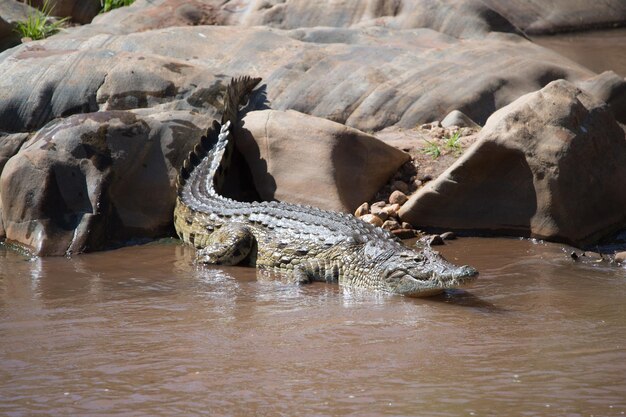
point(236, 95)
point(214, 145)
point(204, 147)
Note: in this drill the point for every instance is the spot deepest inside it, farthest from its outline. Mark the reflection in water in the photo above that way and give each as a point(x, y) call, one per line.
point(143, 331)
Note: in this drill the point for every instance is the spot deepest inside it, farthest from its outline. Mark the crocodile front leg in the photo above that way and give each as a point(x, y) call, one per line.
point(229, 245)
point(316, 270)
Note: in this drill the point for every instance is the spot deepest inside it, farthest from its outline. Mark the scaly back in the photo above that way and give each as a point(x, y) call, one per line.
point(215, 145)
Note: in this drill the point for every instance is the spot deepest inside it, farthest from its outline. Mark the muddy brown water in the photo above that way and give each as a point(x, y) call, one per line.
point(597, 50)
point(141, 331)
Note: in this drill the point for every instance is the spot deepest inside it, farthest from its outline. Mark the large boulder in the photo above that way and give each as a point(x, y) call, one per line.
point(368, 78)
point(547, 17)
point(459, 18)
point(9, 146)
point(550, 165)
point(41, 84)
point(95, 180)
point(304, 159)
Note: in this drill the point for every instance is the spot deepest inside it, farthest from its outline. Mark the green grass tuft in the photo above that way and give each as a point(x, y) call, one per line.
point(432, 149)
point(39, 25)
point(108, 5)
point(452, 143)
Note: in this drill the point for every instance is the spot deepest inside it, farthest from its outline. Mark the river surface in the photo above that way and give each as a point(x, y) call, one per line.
point(599, 50)
point(141, 331)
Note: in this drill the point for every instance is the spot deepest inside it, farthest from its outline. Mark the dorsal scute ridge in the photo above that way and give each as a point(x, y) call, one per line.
point(238, 90)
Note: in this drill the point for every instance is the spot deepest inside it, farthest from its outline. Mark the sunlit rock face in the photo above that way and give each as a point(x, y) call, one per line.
point(550, 165)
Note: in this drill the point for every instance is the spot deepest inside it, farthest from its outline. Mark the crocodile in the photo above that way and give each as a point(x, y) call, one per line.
point(307, 243)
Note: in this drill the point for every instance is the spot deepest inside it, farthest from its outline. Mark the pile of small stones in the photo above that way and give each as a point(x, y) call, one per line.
point(383, 212)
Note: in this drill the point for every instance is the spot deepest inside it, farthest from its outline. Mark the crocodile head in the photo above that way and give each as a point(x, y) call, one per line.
point(419, 274)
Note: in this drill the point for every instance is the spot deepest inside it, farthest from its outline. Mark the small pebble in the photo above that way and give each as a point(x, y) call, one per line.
point(362, 210)
point(438, 132)
point(593, 255)
point(406, 225)
point(392, 210)
point(448, 236)
point(435, 240)
point(373, 219)
point(380, 212)
point(380, 204)
point(404, 233)
point(620, 257)
point(391, 225)
point(398, 197)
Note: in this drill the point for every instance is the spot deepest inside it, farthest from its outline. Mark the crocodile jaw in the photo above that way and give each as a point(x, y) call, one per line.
point(424, 275)
point(431, 282)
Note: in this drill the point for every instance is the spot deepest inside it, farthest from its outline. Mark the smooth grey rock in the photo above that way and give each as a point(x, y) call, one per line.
point(385, 78)
point(458, 18)
point(74, 81)
point(9, 145)
point(458, 118)
point(8, 36)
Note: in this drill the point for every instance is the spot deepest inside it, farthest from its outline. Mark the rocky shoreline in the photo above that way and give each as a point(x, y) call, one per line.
point(373, 108)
